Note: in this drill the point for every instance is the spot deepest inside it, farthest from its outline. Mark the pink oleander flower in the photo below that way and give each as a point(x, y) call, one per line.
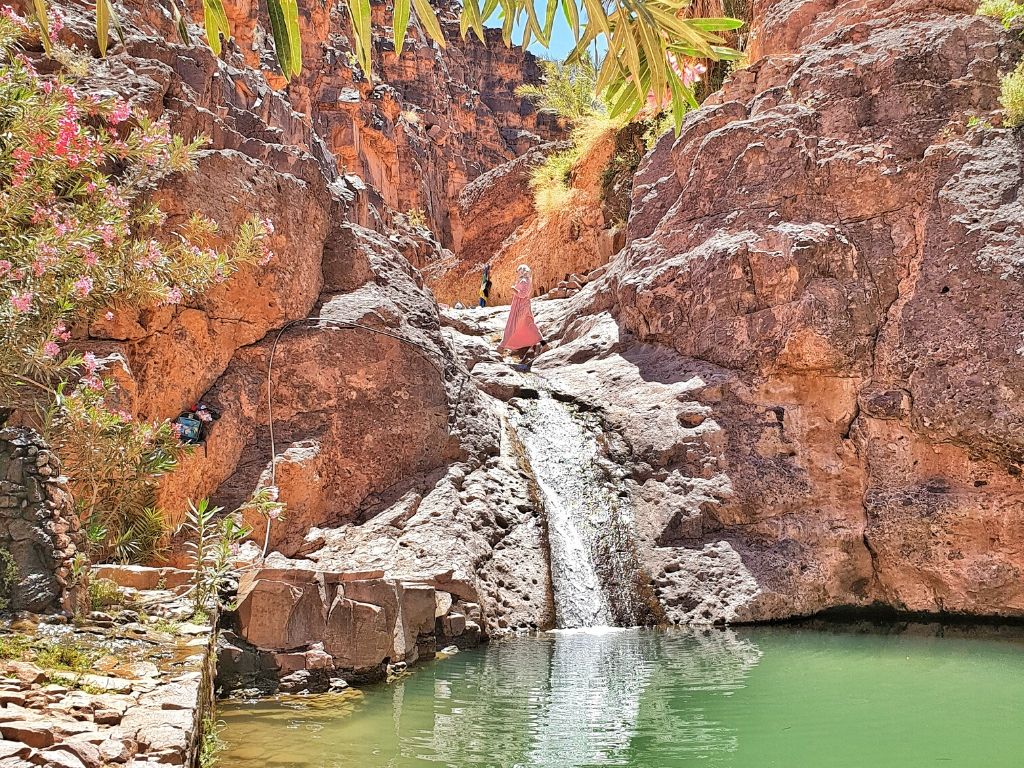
point(106, 232)
point(176, 429)
point(5, 266)
point(121, 112)
point(83, 286)
point(60, 332)
point(273, 492)
point(274, 513)
point(124, 416)
point(22, 302)
point(269, 226)
point(90, 362)
point(38, 267)
point(51, 349)
point(93, 382)
point(174, 296)
point(268, 256)
point(109, 316)
point(90, 259)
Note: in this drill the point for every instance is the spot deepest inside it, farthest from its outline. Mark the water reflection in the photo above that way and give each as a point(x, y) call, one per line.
point(568, 699)
point(750, 698)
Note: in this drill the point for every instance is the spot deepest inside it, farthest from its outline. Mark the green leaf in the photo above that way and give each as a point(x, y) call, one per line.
point(471, 18)
point(102, 25)
point(181, 24)
point(572, 17)
point(282, 41)
point(360, 11)
point(291, 20)
point(715, 25)
point(44, 24)
point(427, 17)
point(400, 23)
point(216, 22)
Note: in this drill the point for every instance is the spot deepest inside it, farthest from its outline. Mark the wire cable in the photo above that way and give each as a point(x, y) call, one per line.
point(344, 325)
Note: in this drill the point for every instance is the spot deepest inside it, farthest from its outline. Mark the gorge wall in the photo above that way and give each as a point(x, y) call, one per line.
point(802, 373)
point(827, 258)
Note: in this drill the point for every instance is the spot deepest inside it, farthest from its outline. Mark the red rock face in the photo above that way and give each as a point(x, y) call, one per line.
point(431, 121)
point(379, 437)
point(840, 247)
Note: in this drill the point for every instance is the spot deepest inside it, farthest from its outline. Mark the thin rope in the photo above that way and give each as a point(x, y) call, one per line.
point(346, 325)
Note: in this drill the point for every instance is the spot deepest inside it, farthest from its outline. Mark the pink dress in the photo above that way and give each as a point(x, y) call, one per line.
point(520, 330)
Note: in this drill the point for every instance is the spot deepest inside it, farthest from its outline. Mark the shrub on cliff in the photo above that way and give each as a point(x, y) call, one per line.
point(1012, 96)
point(79, 238)
point(1004, 10)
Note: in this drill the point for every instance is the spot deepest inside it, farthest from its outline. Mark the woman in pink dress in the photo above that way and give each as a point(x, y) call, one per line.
point(520, 329)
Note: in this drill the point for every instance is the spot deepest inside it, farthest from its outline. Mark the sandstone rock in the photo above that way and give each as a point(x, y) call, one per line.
point(87, 754)
point(358, 635)
point(276, 614)
point(60, 758)
point(10, 750)
point(25, 672)
point(34, 733)
point(116, 751)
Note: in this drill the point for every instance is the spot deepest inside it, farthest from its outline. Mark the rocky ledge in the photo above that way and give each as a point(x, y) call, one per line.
point(125, 686)
point(303, 630)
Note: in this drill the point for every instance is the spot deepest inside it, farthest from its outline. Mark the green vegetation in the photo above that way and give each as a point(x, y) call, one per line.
point(8, 578)
point(213, 544)
point(165, 625)
point(568, 92)
point(212, 744)
point(104, 593)
point(416, 218)
point(1006, 11)
point(80, 242)
point(1012, 96)
point(13, 646)
point(65, 655)
point(646, 39)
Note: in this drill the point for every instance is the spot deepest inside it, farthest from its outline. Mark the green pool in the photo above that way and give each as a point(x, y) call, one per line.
point(749, 698)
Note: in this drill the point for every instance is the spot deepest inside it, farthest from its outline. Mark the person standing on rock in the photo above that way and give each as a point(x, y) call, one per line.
point(485, 286)
point(521, 330)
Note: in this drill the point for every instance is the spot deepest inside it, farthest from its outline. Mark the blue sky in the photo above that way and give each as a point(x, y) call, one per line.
point(562, 40)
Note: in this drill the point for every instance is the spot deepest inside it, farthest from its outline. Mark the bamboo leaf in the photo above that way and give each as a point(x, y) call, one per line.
point(360, 12)
point(572, 17)
point(400, 24)
point(216, 22)
point(102, 25)
point(471, 19)
point(282, 41)
point(489, 7)
point(44, 23)
point(291, 20)
point(427, 17)
point(549, 19)
point(715, 25)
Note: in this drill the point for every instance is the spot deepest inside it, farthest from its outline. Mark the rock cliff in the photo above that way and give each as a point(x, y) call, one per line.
point(801, 376)
point(825, 261)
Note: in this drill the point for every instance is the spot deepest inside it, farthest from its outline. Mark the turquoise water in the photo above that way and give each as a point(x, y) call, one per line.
point(747, 698)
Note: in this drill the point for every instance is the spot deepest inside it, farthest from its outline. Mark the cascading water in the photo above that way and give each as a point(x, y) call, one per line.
point(583, 516)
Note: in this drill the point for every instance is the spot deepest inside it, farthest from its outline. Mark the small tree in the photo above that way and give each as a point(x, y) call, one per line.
point(79, 237)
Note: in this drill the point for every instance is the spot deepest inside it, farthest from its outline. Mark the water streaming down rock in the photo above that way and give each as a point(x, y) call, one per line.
point(595, 574)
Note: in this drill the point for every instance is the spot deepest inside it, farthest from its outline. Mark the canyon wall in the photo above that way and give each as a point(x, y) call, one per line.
point(829, 257)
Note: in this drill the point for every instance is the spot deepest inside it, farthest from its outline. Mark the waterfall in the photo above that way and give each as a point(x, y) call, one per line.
point(577, 506)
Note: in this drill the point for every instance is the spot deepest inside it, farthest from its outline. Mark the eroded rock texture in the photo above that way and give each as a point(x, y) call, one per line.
point(833, 256)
